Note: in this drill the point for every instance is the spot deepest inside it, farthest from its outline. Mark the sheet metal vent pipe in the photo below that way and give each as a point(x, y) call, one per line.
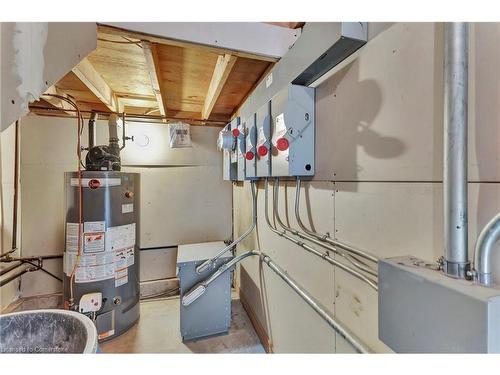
point(456, 64)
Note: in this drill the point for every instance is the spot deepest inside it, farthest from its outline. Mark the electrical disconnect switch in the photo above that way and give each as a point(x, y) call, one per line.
point(227, 143)
point(263, 124)
point(250, 147)
point(293, 132)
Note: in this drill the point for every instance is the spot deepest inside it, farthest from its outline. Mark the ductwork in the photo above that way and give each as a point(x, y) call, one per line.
point(456, 61)
point(484, 251)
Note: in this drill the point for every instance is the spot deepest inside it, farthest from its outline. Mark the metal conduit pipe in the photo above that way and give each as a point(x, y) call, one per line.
point(312, 250)
point(198, 290)
point(456, 62)
point(360, 264)
point(484, 251)
point(209, 262)
point(327, 238)
point(313, 239)
point(338, 327)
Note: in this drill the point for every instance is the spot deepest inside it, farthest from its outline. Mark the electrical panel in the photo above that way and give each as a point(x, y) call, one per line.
point(227, 143)
point(250, 147)
point(263, 125)
point(292, 150)
point(276, 141)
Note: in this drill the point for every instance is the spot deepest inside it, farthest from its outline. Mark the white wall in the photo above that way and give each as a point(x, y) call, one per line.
point(183, 197)
point(378, 184)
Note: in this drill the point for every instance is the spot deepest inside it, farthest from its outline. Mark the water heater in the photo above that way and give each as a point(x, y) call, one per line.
point(105, 283)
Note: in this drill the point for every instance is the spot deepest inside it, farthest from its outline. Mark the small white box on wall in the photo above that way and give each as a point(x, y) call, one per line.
point(180, 135)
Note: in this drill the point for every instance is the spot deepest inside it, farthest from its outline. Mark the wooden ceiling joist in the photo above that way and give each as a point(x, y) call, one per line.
point(153, 64)
point(219, 77)
point(91, 78)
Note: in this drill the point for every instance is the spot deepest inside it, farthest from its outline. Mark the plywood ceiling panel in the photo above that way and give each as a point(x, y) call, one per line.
point(243, 77)
point(122, 66)
point(186, 75)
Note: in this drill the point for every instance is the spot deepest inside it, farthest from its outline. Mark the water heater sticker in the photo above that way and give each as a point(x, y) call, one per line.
point(120, 237)
point(121, 277)
point(94, 226)
point(127, 208)
point(72, 237)
point(124, 258)
point(94, 242)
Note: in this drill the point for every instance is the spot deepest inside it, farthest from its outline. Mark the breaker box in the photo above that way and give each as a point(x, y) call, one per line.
point(250, 147)
point(263, 125)
point(421, 310)
point(227, 142)
point(293, 132)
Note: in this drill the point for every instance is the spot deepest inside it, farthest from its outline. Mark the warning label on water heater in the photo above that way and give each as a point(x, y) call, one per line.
point(106, 253)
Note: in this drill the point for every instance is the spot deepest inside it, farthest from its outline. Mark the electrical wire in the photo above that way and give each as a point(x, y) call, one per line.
point(127, 41)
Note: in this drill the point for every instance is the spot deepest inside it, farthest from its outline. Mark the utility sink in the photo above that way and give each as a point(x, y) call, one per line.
point(47, 331)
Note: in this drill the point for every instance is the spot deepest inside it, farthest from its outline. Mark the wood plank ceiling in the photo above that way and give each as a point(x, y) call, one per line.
point(145, 75)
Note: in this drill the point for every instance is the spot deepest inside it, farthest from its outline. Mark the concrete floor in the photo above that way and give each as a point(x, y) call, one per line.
point(158, 332)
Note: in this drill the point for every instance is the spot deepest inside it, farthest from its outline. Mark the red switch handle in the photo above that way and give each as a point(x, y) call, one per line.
point(282, 144)
point(236, 132)
point(262, 151)
point(249, 155)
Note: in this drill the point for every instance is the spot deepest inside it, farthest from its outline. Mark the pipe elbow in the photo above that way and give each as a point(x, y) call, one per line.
point(484, 250)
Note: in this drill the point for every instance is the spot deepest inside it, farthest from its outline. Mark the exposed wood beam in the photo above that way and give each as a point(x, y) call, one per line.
point(221, 72)
point(153, 64)
point(113, 30)
point(56, 102)
point(91, 78)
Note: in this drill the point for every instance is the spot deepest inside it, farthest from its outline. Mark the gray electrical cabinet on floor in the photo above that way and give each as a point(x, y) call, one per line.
point(421, 310)
point(210, 314)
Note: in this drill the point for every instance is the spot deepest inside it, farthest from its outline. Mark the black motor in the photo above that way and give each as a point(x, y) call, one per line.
point(103, 157)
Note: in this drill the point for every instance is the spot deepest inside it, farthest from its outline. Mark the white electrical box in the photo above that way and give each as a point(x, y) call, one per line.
point(293, 138)
point(250, 147)
point(263, 125)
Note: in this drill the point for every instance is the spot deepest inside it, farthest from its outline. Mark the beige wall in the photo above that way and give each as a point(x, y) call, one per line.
point(183, 197)
point(378, 181)
point(8, 293)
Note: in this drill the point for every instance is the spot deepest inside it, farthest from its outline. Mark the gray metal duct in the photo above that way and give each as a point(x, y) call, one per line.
point(484, 250)
point(456, 62)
